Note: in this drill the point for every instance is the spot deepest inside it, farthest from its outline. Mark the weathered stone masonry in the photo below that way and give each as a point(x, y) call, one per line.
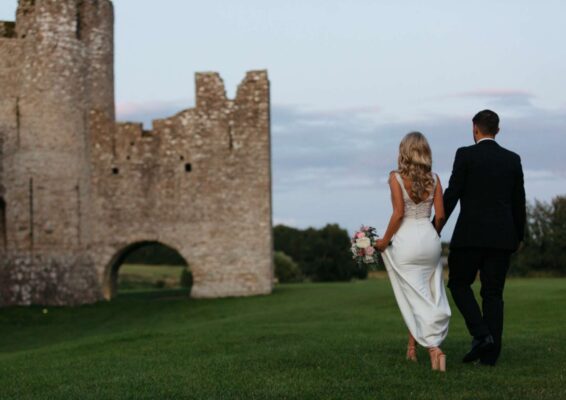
point(78, 190)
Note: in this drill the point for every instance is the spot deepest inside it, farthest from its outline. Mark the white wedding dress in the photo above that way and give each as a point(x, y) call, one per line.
point(415, 271)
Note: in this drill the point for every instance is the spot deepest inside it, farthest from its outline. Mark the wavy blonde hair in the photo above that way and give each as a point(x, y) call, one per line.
point(415, 164)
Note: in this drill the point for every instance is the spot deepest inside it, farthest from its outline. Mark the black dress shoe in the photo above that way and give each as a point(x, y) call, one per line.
point(479, 348)
point(489, 358)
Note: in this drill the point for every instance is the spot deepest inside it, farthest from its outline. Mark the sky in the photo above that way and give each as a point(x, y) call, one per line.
point(349, 79)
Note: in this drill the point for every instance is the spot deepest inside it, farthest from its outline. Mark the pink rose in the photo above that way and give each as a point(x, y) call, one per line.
point(360, 235)
point(370, 251)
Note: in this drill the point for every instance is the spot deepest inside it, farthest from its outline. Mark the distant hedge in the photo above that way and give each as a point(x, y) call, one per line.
point(322, 254)
point(544, 247)
point(544, 250)
point(286, 269)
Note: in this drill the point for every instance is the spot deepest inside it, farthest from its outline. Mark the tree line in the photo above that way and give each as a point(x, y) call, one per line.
point(323, 254)
point(544, 247)
point(319, 254)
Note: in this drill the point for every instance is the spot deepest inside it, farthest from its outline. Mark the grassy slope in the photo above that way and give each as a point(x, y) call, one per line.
point(343, 341)
point(140, 276)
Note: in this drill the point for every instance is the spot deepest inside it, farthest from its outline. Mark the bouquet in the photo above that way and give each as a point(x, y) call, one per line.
point(363, 250)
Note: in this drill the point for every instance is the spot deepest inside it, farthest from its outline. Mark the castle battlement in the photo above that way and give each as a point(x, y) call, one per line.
point(78, 190)
point(174, 139)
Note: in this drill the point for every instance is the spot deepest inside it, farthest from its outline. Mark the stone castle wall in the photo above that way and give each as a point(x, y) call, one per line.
point(78, 190)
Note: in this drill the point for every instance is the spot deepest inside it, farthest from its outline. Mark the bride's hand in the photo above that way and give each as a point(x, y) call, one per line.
point(381, 244)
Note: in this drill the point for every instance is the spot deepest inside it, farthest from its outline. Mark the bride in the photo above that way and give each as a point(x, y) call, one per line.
point(411, 249)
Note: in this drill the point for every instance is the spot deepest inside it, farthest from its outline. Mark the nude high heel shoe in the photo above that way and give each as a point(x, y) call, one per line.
point(412, 349)
point(437, 359)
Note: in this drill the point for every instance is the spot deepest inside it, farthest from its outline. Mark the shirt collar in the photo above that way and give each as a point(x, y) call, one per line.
point(485, 138)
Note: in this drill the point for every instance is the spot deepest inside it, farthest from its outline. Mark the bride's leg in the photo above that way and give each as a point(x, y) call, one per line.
point(411, 348)
point(437, 359)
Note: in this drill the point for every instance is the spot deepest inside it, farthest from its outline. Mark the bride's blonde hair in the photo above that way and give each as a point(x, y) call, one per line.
point(415, 163)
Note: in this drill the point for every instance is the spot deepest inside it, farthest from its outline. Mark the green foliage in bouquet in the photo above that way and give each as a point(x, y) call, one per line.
point(365, 261)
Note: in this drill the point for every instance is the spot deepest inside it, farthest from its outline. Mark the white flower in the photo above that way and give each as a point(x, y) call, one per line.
point(368, 259)
point(362, 243)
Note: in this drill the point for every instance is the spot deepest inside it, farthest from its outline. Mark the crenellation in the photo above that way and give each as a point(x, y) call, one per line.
point(210, 92)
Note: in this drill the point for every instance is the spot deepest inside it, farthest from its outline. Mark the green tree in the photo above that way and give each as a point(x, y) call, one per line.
point(544, 248)
point(322, 254)
point(286, 269)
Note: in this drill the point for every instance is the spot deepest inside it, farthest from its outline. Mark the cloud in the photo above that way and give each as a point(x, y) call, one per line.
point(499, 97)
point(332, 165)
point(319, 168)
point(543, 175)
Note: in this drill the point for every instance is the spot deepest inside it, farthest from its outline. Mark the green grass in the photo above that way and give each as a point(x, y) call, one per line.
point(305, 341)
point(143, 276)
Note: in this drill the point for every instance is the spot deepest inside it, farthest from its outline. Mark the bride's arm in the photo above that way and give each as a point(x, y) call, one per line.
point(396, 216)
point(439, 214)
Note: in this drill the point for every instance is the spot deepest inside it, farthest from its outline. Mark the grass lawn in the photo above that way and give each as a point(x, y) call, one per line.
point(305, 341)
point(143, 276)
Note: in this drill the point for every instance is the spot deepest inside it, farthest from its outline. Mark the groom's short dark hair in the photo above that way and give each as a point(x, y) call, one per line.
point(487, 121)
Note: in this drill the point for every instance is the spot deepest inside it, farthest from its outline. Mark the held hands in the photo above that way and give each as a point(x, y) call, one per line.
point(381, 244)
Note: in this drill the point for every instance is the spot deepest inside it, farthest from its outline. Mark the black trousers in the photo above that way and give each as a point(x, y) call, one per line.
point(492, 264)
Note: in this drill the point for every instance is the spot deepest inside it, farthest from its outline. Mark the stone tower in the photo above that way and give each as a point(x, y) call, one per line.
point(79, 191)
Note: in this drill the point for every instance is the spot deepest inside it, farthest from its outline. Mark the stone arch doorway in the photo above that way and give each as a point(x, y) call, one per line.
point(133, 254)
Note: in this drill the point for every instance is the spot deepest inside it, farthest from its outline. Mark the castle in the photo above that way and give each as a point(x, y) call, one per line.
point(79, 191)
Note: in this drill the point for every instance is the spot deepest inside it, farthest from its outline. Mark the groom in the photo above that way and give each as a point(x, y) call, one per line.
point(488, 181)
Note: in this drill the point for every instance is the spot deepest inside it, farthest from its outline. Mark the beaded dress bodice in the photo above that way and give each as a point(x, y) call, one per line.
point(418, 210)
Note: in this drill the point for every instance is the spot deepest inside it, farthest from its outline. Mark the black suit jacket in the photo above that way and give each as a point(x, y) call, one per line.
point(488, 181)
